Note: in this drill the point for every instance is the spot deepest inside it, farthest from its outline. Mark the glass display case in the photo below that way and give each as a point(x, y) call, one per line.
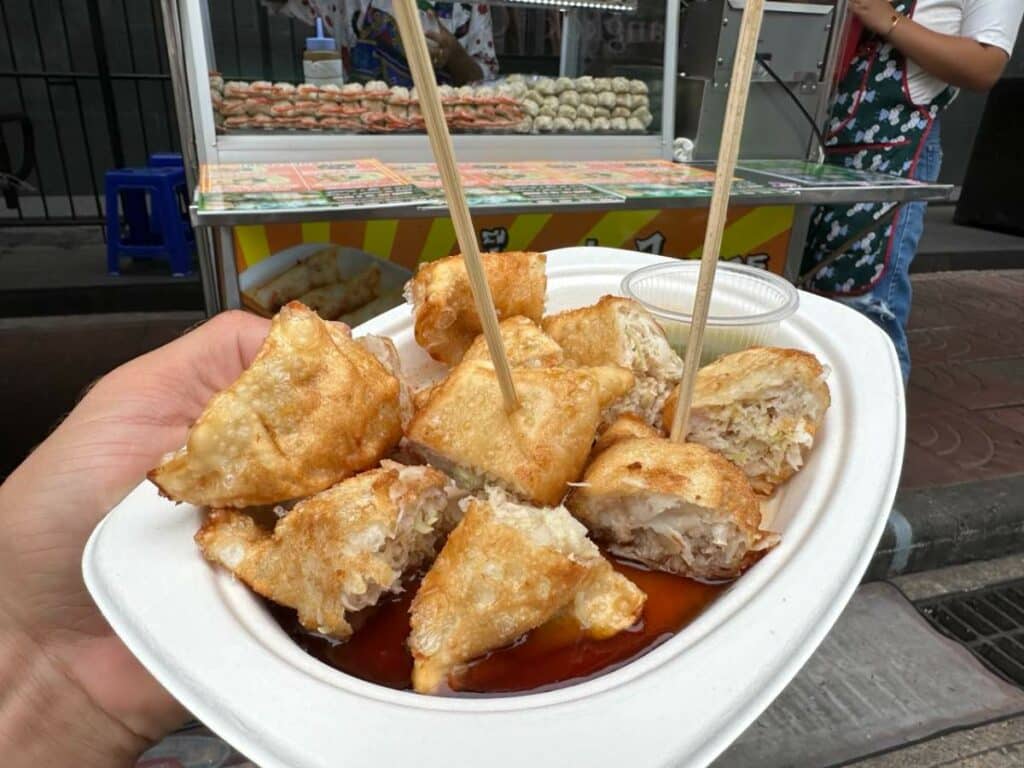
point(582, 80)
point(565, 117)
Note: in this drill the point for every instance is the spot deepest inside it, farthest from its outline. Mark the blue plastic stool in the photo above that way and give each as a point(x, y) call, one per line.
point(166, 160)
point(163, 231)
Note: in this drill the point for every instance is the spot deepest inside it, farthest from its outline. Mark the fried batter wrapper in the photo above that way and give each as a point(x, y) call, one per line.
point(313, 408)
point(506, 569)
point(320, 269)
point(337, 299)
point(676, 507)
point(338, 551)
point(526, 345)
point(446, 321)
point(534, 451)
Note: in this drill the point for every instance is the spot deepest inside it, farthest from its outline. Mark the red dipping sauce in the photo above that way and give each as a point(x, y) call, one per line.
point(552, 656)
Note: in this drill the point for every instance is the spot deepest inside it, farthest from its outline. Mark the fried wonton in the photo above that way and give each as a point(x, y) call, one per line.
point(506, 569)
point(526, 345)
point(313, 408)
point(760, 408)
point(319, 269)
point(619, 331)
point(340, 550)
point(384, 349)
point(534, 451)
point(626, 427)
point(676, 507)
point(334, 300)
point(446, 322)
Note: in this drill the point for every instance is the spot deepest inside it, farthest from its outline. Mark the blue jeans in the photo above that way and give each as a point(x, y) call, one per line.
point(888, 302)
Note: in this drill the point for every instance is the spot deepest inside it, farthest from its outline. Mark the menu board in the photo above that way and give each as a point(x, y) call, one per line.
point(648, 179)
point(351, 184)
point(368, 183)
point(654, 191)
point(506, 185)
point(808, 174)
point(567, 194)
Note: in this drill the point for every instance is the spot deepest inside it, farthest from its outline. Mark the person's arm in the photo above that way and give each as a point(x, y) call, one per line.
point(959, 61)
point(71, 694)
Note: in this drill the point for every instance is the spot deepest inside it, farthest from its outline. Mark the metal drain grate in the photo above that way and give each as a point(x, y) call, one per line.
point(989, 621)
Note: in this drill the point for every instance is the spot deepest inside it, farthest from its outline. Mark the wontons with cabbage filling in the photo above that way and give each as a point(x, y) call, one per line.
point(676, 507)
point(526, 345)
point(618, 331)
point(626, 427)
point(339, 551)
point(506, 569)
point(760, 408)
point(445, 318)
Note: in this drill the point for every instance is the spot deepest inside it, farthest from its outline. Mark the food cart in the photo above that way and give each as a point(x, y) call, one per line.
point(544, 167)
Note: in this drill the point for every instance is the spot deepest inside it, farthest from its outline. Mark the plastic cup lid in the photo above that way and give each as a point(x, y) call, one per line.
point(320, 42)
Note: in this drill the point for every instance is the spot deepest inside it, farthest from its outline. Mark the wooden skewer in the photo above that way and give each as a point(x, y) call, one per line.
point(415, 45)
point(728, 151)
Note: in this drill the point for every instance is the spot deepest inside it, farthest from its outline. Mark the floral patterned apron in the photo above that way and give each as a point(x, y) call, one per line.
point(874, 126)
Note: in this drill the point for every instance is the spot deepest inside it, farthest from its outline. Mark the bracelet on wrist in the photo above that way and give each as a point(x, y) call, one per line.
point(897, 17)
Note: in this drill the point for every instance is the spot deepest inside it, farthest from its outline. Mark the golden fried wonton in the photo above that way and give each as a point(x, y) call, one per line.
point(628, 426)
point(340, 550)
point(618, 331)
point(526, 345)
point(313, 408)
point(676, 507)
point(507, 568)
point(446, 321)
point(534, 451)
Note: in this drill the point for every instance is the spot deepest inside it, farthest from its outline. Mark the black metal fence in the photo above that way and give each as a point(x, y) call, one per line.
point(89, 80)
point(85, 87)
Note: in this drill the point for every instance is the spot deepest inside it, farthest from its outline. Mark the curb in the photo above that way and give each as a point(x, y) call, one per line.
point(937, 527)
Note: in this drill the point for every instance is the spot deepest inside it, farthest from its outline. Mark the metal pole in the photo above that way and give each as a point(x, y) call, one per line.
point(837, 37)
point(99, 46)
point(571, 54)
point(671, 77)
point(183, 109)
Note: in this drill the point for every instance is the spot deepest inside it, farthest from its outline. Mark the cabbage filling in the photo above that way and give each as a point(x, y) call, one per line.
point(767, 437)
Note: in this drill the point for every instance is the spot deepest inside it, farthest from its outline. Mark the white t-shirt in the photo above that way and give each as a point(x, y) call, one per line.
point(992, 22)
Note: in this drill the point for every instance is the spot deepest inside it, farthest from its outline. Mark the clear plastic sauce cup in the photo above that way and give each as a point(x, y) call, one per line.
point(747, 304)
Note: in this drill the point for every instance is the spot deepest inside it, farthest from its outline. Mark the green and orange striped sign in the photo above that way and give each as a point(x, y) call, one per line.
point(757, 235)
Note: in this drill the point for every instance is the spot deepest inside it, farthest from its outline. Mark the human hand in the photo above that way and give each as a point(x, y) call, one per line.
point(63, 672)
point(875, 15)
point(443, 47)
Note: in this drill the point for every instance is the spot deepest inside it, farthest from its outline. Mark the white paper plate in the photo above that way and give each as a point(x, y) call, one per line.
point(215, 648)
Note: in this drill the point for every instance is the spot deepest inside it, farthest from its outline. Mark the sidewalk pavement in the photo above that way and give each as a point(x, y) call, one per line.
point(962, 491)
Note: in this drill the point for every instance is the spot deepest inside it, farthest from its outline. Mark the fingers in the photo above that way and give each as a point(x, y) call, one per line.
point(433, 47)
point(136, 414)
point(245, 330)
point(200, 363)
